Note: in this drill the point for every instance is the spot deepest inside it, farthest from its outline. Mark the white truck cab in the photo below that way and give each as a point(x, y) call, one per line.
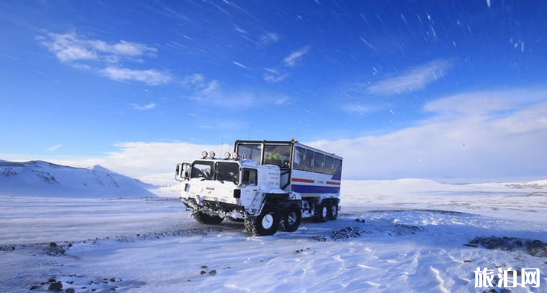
point(266, 184)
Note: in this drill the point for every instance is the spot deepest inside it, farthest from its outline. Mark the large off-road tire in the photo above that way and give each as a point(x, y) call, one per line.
point(333, 211)
point(265, 224)
point(322, 211)
point(292, 217)
point(207, 219)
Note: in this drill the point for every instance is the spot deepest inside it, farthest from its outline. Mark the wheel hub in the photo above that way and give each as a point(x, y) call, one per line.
point(267, 221)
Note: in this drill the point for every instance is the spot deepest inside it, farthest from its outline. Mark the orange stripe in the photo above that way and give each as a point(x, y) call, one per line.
point(303, 180)
point(333, 183)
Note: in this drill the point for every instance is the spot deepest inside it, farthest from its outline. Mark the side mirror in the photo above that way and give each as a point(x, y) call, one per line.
point(178, 171)
point(183, 171)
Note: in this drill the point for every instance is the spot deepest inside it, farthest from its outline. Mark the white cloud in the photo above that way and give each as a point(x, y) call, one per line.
point(70, 47)
point(150, 76)
point(54, 148)
point(274, 76)
point(105, 58)
point(147, 158)
point(269, 38)
point(486, 101)
point(211, 87)
point(359, 109)
point(473, 144)
point(239, 64)
point(295, 56)
point(476, 145)
point(202, 87)
point(210, 92)
point(148, 106)
point(193, 80)
point(411, 80)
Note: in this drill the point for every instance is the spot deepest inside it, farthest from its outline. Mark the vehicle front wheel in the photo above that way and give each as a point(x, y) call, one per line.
point(265, 224)
point(291, 219)
point(207, 219)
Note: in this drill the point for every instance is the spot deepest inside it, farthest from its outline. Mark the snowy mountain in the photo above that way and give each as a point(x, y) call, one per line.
point(39, 178)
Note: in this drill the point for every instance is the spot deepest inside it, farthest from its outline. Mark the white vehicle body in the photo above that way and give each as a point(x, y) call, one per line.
point(274, 182)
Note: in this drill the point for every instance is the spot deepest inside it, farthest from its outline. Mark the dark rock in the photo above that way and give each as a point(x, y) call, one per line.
point(212, 272)
point(70, 290)
point(532, 247)
point(57, 286)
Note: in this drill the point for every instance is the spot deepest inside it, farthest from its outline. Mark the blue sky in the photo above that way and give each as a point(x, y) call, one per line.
point(94, 80)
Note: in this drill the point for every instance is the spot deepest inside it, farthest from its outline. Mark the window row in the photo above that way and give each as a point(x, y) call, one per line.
point(308, 160)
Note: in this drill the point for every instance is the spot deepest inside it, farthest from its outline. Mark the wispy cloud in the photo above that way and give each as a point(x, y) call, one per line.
point(200, 84)
point(105, 58)
point(413, 79)
point(293, 57)
point(273, 75)
point(54, 148)
point(269, 38)
point(70, 47)
point(150, 76)
point(209, 91)
point(359, 108)
point(239, 64)
point(148, 106)
point(484, 102)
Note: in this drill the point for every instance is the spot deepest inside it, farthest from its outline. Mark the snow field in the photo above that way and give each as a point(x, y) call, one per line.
point(396, 236)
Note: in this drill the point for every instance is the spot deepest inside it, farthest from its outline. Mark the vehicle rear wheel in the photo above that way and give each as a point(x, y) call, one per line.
point(322, 212)
point(265, 224)
point(333, 211)
point(291, 219)
point(207, 219)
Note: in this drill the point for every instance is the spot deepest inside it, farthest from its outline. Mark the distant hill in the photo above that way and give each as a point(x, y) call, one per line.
point(39, 178)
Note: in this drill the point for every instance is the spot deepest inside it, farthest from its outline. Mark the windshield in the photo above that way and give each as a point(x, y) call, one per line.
point(202, 169)
point(221, 171)
point(227, 171)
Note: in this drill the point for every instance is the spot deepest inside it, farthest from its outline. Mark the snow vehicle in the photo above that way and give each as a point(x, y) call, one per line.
point(268, 185)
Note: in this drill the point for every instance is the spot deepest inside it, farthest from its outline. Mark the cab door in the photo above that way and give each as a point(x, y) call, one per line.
point(249, 188)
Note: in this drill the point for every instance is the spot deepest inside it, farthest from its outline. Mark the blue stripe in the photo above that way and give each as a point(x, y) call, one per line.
point(314, 189)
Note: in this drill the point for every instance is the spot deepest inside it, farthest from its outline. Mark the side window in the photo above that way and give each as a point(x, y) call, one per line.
point(249, 177)
point(329, 165)
point(319, 163)
point(278, 155)
point(250, 151)
point(309, 160)
point(299, 162)
point(337, 165)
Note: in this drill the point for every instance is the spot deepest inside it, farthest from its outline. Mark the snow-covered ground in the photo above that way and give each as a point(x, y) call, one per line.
point(392, 236)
